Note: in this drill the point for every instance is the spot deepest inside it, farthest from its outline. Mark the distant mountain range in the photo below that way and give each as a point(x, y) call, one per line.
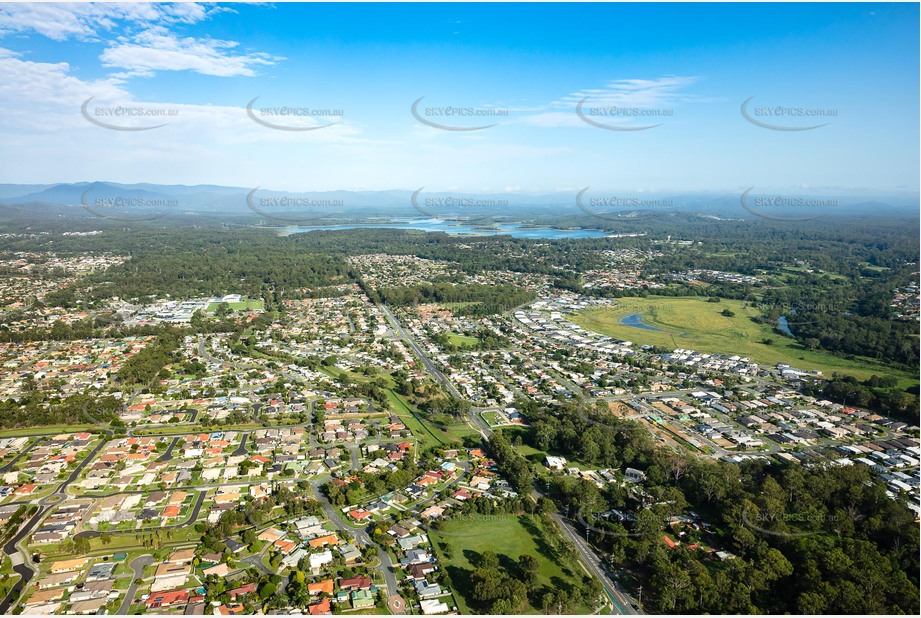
point(152, 200)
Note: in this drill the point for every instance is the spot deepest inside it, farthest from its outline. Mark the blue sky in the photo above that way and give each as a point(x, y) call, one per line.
point(685, 67)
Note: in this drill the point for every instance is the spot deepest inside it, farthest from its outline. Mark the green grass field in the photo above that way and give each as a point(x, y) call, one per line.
point(424, 432)
point(510, 537)
point(694, 323)
point(46, 429)
point(243, 305)
point(463, 341)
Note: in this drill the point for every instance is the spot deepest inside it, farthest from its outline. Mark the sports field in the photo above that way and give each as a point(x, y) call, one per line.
point(463, 341)
point(243, 305)
point(693, 323)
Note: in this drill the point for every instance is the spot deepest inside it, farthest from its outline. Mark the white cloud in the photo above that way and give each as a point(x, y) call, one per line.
point(636, 93)
point(158, 50)
point(41, 95)
point(137, 36)
point(661, 93)
point(61, 21)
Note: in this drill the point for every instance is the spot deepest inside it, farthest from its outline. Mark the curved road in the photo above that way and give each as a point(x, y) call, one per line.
point(92, 534)
point(22, 565)
point(137, 565)
point(23, 568)
point(166, 456)
point(333, 515)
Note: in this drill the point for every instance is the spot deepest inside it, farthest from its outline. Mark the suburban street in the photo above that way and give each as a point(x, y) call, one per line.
point(591, 560)
point(333, 515)
point(22, 561)
point(137, 565)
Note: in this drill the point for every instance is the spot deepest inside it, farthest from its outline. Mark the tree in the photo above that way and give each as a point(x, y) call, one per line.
point(528, 568)
point(488, 560)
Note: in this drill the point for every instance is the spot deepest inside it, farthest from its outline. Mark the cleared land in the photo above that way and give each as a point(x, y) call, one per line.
point(693, 323)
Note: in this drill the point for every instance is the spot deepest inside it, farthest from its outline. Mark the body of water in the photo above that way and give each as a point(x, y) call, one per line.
point(437, 225)
point(782, 325)
point(636, 321)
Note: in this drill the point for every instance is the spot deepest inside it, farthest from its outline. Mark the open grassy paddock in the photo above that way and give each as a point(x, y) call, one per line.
point(510, 536)
point(693, 323)
point(463, 341)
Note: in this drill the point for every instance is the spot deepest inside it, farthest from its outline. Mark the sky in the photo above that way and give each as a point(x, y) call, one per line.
point(529, 98)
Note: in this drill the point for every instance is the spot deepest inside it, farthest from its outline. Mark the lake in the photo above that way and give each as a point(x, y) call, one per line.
point(437, 225)
point(636, 321)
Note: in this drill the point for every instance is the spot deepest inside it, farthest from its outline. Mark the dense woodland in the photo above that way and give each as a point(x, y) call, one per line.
point(490, 299)
point(36, 408)
point(806, 539)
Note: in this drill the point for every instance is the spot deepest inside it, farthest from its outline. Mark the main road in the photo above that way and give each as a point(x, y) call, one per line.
point(592, 561)
point(426, 361)
point(621, 602)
